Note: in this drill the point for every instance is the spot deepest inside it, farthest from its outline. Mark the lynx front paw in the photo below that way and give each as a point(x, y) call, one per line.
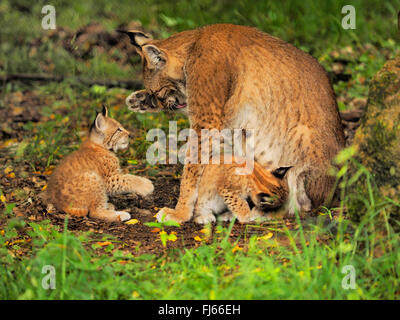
point(122, 215)
point(167, 214)
point(145, 188)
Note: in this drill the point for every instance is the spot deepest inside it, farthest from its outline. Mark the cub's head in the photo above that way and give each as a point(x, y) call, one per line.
point(271, 188)
point(163, 76)
point(108, 132)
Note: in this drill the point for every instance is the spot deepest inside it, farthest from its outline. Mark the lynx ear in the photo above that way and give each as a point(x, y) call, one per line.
point(104, 111)
point(280, 172)
point(154, 56)
point(138, 38)
point(100, 122)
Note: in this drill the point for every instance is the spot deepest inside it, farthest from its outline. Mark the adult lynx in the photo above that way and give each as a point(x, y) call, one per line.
point(229, 76)
point(81, 182)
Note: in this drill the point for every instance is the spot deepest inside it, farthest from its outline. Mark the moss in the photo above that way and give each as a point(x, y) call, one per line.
point(378, 144)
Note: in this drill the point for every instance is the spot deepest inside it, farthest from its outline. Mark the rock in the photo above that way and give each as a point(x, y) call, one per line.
point(377, 142)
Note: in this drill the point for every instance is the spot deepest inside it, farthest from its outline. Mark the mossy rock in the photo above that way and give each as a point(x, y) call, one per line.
point(377, 142)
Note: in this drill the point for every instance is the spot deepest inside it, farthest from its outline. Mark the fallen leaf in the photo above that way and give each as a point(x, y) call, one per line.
point(132, 221)
point(266, 237)
point(103, 244)
point(8, 170)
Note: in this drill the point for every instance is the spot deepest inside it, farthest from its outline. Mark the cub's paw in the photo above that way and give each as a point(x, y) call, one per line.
point(145, 187)
point(122, 215)
point(205, 218)
point(167, 214)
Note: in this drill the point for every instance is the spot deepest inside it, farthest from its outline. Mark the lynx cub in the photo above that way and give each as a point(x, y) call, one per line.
point(222, 191)
point(80, 184)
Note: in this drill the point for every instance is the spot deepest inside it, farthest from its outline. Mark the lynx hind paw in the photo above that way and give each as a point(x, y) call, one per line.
point(110, 206)
point(254, 215)
point(145, 187)
point(50, 208)
point(226, 216)
point(122, 215)
point(205, 218)
point(167, 214)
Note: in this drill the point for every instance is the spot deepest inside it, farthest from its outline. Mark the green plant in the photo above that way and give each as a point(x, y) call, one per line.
point(164, 235)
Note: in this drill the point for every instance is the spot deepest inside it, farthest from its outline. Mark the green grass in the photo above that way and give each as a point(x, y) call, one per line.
point(263, 270)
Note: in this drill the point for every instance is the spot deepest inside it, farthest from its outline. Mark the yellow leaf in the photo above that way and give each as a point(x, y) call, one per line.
point(48, 172)
point(8, 143)
point(236, 248)
point(3, 198)
point(197, 238)
point(44, 187)
point(11, 175)
point(132, 221)
point(266, 237)
point(8, 170)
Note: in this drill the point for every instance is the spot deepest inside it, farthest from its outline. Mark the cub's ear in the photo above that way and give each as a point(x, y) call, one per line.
point(154, 56)
point(138, 38)
point(280, 172)
point(104, 111)
point(100, 122)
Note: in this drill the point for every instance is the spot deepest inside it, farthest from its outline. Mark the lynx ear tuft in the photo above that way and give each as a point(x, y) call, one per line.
point(104, 111)
point(138, 38)
point(280, 172)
